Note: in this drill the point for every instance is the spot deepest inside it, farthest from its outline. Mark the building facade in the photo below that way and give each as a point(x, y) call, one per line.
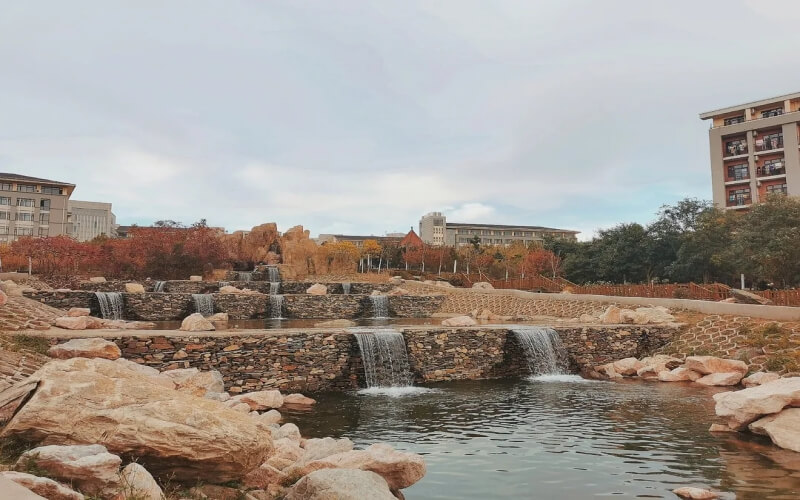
point(30, 206)
point(358, 241)
point(435, 230)
point(91, 219)
point(754, 150)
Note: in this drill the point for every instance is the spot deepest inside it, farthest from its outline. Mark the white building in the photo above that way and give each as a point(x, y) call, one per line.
point(435, 230)
point(91, 219)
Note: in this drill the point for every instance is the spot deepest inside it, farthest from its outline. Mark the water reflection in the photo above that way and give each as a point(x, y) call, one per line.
point(559, 439)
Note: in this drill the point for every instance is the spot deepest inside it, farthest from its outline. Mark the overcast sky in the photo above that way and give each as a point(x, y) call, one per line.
point(359, 117)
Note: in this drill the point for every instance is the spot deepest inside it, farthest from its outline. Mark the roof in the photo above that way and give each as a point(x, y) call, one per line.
point(754, 104)
point(354, 237)
point(411, 239)
point(25, 178)
point(506, 226)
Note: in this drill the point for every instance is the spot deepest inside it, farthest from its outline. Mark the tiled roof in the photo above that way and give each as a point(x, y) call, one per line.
point(25, 178)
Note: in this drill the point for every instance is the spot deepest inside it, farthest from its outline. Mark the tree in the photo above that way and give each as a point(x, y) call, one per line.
point(369, 249)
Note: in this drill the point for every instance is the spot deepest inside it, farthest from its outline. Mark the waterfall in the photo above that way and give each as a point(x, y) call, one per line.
point(543, 350)
point(276, 306)
point(246, 276)
point(274, 287)
point(203, 303)
point(110, 304)
point(273, 273)
point(159, 286)
point(346, 288)
point(224, 283)
point(380, 306)
point(385, 360)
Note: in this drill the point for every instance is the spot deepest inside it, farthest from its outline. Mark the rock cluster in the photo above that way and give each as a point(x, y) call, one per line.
point(613, 315)
point(232, 290)
point(704, 370)
point(78, 318)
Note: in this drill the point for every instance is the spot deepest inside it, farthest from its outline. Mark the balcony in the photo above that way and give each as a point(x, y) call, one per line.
point(739, 200)
point(735, 148)
point(770, 170)
point(769, 144)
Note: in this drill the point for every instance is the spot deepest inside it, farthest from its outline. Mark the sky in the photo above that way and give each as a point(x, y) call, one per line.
point(358, 117)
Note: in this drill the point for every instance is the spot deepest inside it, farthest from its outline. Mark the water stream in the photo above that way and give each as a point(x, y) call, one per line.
point(543, 350)
point(111, 305)
point(159, 286)
point(203, 303)
point(276, 306)
point(380, 306)
point(385, 360)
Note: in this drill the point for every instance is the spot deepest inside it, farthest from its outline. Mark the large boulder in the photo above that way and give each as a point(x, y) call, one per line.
point(196, 323)
point(739, 408)
point(759, 378)
point(319, 448)
point(134, 288)
point(260, 400)
point(692, 493)
point(783, 428)
point(459, 321)
point(196, 382)
point(654, 315)
point(195, 278)
point(720, 379)
point(97, 279)
point(653, 365)
point(611, 316)
point(400, 469)
point(711, 364)
point(336, 484)
point(317, 289)
point(37, 487)
point(91, 468)
point(75, 312)
point(137, 484)
point(297, 400)
point(680, 374)
point(78, 323)
point(85, 348)
point(627, 366)
point(482, 285)
point(172, 433)
point(745, 297)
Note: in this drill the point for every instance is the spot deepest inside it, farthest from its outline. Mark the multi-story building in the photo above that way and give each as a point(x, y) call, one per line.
point(435, 230)
point(358, 241)
point(91, 219)
point(754, 150)
point(30, 206)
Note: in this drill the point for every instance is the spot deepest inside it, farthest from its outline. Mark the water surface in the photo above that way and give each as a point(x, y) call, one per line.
point(558, 437)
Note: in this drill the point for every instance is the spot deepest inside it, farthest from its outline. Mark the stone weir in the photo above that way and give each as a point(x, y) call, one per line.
point(176, 306)
point(188, 286)
point(317, 359)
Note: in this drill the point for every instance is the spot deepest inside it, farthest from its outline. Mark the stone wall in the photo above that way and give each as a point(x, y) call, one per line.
point(186, 286)
point(65, 300)
point(321, 360)
point(413, 306)
point(357, 306)
point(300, 287)
point(523, 307)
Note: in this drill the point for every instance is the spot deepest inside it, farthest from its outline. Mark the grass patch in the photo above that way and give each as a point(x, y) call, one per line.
point(28, 343)
point(771, 334)
point(11, 448)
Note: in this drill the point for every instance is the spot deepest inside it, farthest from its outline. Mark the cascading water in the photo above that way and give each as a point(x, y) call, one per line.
point(274, 287)
point(159, 286)
point(346, 288)
point(276, 306)
point(380, 306)
point(203, 303)
point(273, 274)
point(246, 276)
point(543, 350)
point(110, 304)
point(383, 353)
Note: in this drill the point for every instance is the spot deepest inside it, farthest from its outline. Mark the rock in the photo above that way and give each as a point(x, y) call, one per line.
point(319, 448)
point(339, 484)
point(89, 467)
point(267, 418)
point(3, 298)
point(134, 288)
point(711, 364)
point(482, 285)
point(137, 484)
point(171, 432)
point(97, 279)
point(217, 396)
point(720, 379)
point(78, 323)
point(149, 372)
point(627, 316)
point(85, 348)
point(459, 321)
point(399, 469)
point(695, 493)
point(196, 323)
point(759, 378)
point(627, 366)
point(398, 292)
point(720, 428)
point(195, 278)
point(588, 318)
point(126, 325)
point(263, 476)
point(653, 365)
point(228, 289)
point(745, 297)
point(739, 408)
point(76, 312)
point(376, 292)
point(336, 323)
point(783, 428)
point(680, 374)
point(607, 371)
point(654, 315)
point(214, 492)
point(12, 289)
point(47, 488)
point(298, 400)
point(611, 316)
point(196, 382)
point(260, 400)
point(317, 289)
point(287, 431)
point(287, 449)
point(218, 318)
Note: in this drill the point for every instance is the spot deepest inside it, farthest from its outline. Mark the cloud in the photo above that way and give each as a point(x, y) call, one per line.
point(472, 212)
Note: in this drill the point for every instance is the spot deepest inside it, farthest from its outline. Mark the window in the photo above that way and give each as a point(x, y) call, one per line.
point(44, 232)
point(52, 190)
point(25, 216)
point(26, 202)
point(770, 141)
point(23, 231)
point(5, 186)
point(44, 218)
point(772, 167)
point(44, 204)
point(777, 189)
point(5, 200)
point(3, 229)
point(733, 120)
point(771, 112)
point(738, 172)
point(26, 188)
point(736, 147)
point(740, 196)
point(5, 215)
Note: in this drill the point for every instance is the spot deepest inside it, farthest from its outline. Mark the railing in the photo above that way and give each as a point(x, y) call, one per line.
point(769, 144)
point(782, 297)
point(767, 171)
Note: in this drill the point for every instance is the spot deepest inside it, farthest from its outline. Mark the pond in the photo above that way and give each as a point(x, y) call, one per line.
point(558, 437)
point(270, 324)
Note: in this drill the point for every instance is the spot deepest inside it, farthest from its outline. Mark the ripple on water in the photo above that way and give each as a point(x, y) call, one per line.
point(396, 392)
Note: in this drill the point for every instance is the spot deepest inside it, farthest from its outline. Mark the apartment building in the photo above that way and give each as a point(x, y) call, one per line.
point(435, 230)
point(91, 219)
point(358, 241)
point(754, 150)
point(30, 206)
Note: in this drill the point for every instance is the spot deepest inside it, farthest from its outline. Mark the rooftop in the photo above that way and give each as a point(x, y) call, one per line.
point(754, 104)
point(25, 178)
point(505, 226)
